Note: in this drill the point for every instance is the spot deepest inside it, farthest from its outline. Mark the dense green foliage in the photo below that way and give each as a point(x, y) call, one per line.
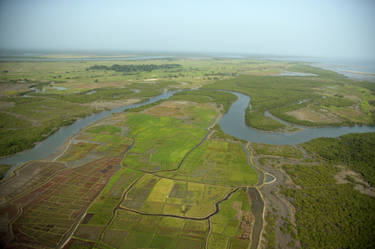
point(330, 215)
point(270, 230)
point(134, 68)
point(267, 93)
point(260, 121)
point(355, 150)
point(35, 119)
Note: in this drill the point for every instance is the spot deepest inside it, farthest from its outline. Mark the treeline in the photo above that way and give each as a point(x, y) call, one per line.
point(329, 215)
point(355, 150)
point(134, 68)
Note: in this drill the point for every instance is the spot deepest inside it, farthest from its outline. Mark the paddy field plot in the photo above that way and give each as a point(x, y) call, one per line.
point(101, 210)
point(161, 141)
point(217, 162)
point(51, 210)
point(131, 230)
point(97, 141)
point(155, 195)
point(232, 227)
point(29, 177)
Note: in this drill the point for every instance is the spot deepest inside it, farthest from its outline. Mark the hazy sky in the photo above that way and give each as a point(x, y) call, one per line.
point(331, 28)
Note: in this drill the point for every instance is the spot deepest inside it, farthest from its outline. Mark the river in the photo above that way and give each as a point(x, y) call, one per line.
point(49, 146)
point(233, 123)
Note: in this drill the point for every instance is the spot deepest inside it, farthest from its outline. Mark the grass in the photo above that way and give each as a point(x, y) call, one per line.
point(138, 231)
point(260, 121)
point(232, 225)
point(287, 151)
point(175, 136)
point(101, 210)
point(157, 195)
point(206, 96)
point(280, 95)
point(217, 162)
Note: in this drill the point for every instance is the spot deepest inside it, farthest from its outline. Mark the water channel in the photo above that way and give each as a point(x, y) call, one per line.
point(234, 124)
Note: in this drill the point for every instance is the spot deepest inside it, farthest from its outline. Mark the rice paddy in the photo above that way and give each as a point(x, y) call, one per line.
point(116, 186)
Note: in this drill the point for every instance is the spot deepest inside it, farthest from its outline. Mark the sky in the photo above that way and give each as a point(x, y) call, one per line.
point(321, 28)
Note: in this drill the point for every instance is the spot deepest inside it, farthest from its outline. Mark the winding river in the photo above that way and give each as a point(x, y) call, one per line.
point(49, 146)
point(234, 124)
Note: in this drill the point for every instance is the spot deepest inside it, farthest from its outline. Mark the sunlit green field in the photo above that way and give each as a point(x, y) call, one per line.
point(217, 162)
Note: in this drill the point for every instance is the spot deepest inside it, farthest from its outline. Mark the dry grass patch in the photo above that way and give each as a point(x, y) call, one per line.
point(308, 114)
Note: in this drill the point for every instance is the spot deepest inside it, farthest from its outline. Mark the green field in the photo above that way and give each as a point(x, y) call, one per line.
point(228, 232)
point(165, 175)
point(161, 142)
point(217, 162)
point(154, 195)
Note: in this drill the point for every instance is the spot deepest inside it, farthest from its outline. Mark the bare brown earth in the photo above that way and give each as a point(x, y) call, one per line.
point(311, 115)
point(46, 214)
point(27, 178)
